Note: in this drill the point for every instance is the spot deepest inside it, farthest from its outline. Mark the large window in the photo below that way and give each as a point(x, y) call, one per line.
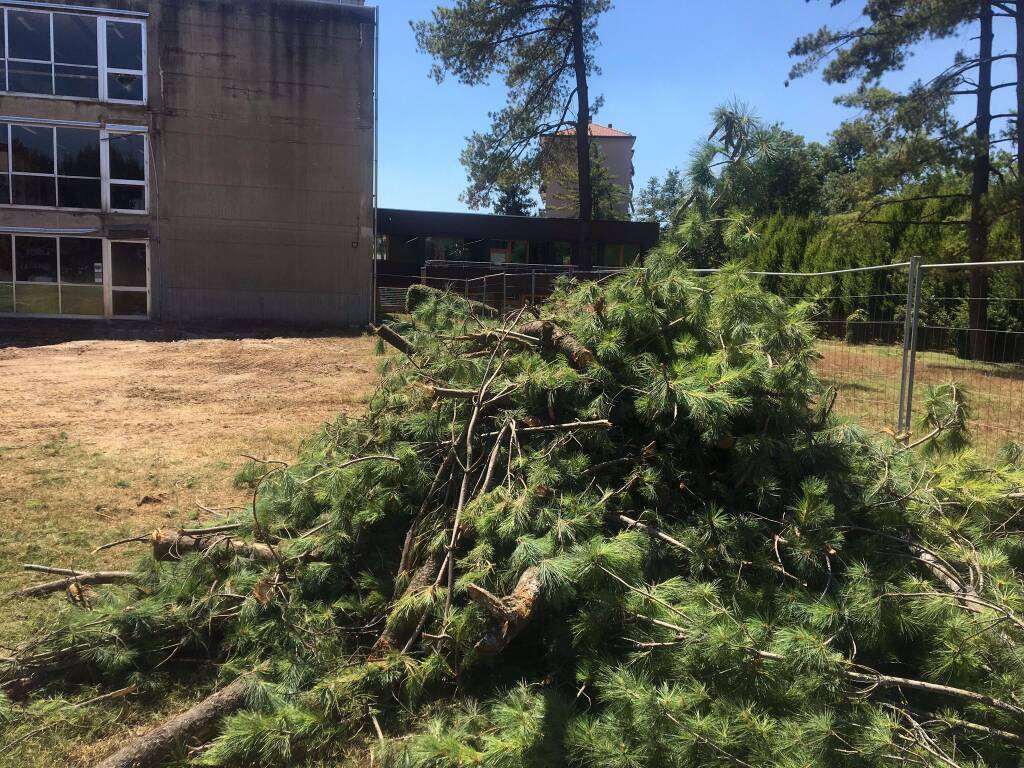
point(77, 168)
point(73, 276)
point(72, 55)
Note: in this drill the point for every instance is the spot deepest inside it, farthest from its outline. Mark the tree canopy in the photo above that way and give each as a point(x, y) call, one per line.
point(543, 51)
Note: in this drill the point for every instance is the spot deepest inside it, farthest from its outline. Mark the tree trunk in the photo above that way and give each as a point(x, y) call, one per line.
point(173, 545)
point(510, 614)
point(157, 745)
point(586, 212)
point(1018, 21)
point(978, 228)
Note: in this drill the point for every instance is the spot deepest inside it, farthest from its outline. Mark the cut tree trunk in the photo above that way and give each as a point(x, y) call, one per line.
point(511, 613)
point(553, 337)
point(173, 545)
point(156, 745)
point(977, 341)
point(395, 339)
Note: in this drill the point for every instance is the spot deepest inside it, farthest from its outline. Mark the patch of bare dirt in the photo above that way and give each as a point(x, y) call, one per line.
point(101, 438)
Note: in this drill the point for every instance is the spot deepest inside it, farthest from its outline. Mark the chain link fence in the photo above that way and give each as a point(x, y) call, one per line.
point(886, 333)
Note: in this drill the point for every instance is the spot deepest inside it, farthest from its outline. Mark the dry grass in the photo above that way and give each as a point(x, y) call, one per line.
point(102, 439)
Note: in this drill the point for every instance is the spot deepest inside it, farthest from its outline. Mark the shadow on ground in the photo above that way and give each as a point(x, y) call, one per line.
point(27, 332)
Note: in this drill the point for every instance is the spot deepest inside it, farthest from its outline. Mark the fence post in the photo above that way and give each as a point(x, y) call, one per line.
point(533, 286)
point(910, 332)
point(504, 290)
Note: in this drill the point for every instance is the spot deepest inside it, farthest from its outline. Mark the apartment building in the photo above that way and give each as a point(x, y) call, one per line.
point(614, 149)
point(187, 160)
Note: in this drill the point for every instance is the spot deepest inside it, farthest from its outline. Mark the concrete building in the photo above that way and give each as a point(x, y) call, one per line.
point(187, 160)
point(616, 151)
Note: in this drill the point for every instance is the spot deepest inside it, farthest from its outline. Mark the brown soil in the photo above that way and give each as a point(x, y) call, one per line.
point(104, 438)
point(868, 377)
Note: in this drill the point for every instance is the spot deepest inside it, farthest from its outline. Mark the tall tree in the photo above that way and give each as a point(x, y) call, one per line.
point(514, 199)
point(608, 199)
point(659, 198)
point(543, 50)
point(919, 121)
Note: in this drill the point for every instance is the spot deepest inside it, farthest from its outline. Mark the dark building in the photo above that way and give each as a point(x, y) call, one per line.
point(411, 239)
point(496, 259)
point(187, 159)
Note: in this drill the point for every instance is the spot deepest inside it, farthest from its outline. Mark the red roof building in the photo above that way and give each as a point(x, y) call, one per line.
point(616, 148)
point(598, 131)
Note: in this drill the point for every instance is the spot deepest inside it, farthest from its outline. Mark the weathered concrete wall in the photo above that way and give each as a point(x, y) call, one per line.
point(263, 141)
point(261, 121)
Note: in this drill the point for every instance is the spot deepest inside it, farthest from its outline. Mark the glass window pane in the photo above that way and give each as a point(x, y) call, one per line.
point(81, 300)
point(33, 190)
point(74, 39)
point(128, 264)
point(5, 189)
point(29, 35)
point(127, 198)
point(6, 259)
point(81, 260)
point(128, 157)
point(78, 152)
point(3, 145)
point(76, 81)
point(132, 303)
point(79, 193)
point(6, 297)
point(35, 259)
point(29, 77)
point(124, 45)
point(124, 87)
point(37, 299)
point(32, 148)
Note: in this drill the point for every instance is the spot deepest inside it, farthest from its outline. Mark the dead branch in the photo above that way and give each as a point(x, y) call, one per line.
point(82, 578)
point(597, 424)
point(227, 528)
point(118, 694)
point(651, 530)
point(154, 746)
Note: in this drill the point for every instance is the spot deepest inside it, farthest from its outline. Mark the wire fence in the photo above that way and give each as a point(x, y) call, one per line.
point(886, 333)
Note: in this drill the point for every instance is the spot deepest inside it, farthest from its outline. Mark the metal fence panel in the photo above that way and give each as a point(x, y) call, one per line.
point(886, 333)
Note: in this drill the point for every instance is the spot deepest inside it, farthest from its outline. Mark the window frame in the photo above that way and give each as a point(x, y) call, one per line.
point(107, 287)
point(105, 178)
point(103, 71)
point(109, 180)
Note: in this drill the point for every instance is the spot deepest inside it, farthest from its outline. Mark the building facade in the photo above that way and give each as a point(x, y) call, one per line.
point(615, 150)
point(187, 160)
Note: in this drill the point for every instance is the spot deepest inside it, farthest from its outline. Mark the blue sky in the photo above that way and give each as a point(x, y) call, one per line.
point(666, 64)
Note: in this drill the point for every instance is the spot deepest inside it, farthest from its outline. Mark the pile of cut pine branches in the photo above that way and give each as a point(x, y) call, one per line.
point(624, 528)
